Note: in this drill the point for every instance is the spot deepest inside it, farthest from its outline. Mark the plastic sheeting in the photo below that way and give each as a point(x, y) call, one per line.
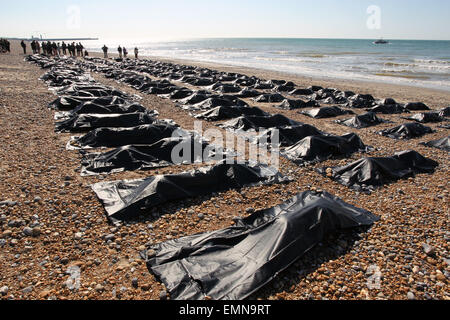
point(289, 104)
point(126, 199)
point(255, 123)
point(427, 117)
point(96, 108)
point(417, 106)
point(406, 131)
point(144, 157)
point(326, 112)
point(388, 109)
point(226, 113)
point(233, 263)
point(369, 119)
point(270, 97)
point(320, 148)
point(443, 144)
point(87, 122)
point(288, 136)
point(445, 112)
point(117, 137)
point(367, 173)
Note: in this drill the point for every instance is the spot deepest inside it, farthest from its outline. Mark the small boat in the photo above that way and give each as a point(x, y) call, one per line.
point(381, 41)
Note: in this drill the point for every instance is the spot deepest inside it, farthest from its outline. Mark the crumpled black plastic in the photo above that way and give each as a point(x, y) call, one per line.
point(289, 104)
point(117, 137)
point(366, 120)
point(416, 106)
point(100, 106)
point(233, 263)
point(406, 131)
point(88, 122)
point(367, 173)
point(247, 123)
point(269, 97)
point(388, 109)
point(226, 113)
point(126, 199)
point(326, 112)
point(320, 148)
point(443, 144)
point(65, 103)
point(144, 157)
point(426, 117)
point(445, 112)
point(288, 136)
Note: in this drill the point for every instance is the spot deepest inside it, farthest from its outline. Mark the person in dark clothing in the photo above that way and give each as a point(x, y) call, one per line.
point(81, 49)
point(105, 51)
point(125, 52)
point(24, 47)
point(38, 47)
point(119, 49)
point(33, 46)
point(64, 48)
point(54, 49)
point(136, 53)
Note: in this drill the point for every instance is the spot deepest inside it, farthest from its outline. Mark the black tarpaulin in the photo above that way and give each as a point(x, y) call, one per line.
point(369, 119)
point(288, 136)
point(445, 112)
point(388, 109)
point(443, 144)
point(117, 137)
point(321, 148)
point(269, 97)
point(126, 199)
point(69, 102)
point(87, 122)
point(406, 131)
point(247, 123)
point(226, 113)
point(289, 104)
point(416, 106)
point(233, 263)
point(94, 108)
point(426, 117)
point(326, 112)
point(367, 173)
point(144, 157)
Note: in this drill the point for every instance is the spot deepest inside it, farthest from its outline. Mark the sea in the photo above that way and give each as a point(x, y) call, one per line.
point(420, 63)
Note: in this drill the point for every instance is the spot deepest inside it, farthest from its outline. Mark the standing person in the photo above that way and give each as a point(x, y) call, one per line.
point(125, 52)
point(64, 48)
point(136, 53)
point(55, 49)
point(33, 46)
point(105, 51)
point(119, 49)
point(38, 47)
point(24, 47)
point(81, 49)
point(8, 46)
point(59, 48)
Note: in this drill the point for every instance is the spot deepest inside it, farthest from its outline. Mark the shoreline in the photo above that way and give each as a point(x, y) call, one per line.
point(433, 96)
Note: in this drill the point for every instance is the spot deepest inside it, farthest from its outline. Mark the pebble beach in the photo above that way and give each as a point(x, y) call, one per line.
point(50, 220)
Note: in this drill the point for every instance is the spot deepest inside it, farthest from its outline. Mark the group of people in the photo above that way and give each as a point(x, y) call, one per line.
point(5, 46)
point(123, 52)
point(57, 49)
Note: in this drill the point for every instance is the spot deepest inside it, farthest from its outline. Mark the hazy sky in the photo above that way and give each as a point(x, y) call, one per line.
point(175, 19)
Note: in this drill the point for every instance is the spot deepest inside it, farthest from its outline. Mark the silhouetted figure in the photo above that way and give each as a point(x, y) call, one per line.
point(64, 48)
point(24, 47)
point(86, 53)
point(38, 47)
point(105, 51)
point(136, 53)
point(119, 49)
point(125, 52)
point(33, 46)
